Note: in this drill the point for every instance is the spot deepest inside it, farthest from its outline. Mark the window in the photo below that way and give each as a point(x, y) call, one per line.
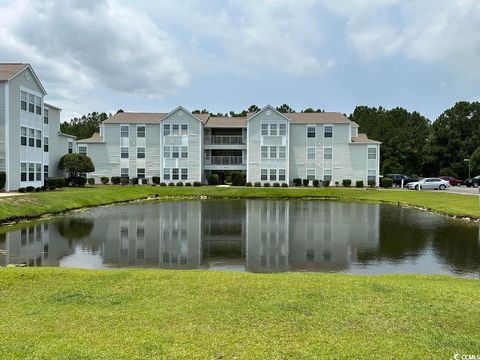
point(23, 136)
point(184, 129)
point(372, 153)
point(82, 150)
point(38, 171)
point(31, 137)
point(123, 130)
point(264, 174)
point(45, 144)
point(184, 174)
point(45, 116)
point(327, 175)
point(372, 175)
point(273, 129)
point(38, 105)
point(328, 131)
point(282, 129)
point(264, 152)
point(310, 131)
point(124, 172)
point(264, 129)
point(140, 153)
point(273, 152)
point(38, 136)
point(174, 174)
point(45, 172)
point(311, 153)
point(184, 152)
point(23, 100)
point(31, 172)
point(31, 103)
point(327, 153)
point(273, 174)
point(311, 174)
point(166, 129)
point(175, 152)
point(124, 152)
point(166, 174)
point(166, 151)
point(23, 171)
point(140, 131)
point(281, 174)
point(70, 147)
point(141, 173)
point(175, 129)
point(282, 151)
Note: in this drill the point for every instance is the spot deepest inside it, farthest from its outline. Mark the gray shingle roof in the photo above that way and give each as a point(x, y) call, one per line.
point(7, 70)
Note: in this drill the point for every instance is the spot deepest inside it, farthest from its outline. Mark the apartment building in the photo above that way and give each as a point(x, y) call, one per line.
point(268, 146)
point(31, 143)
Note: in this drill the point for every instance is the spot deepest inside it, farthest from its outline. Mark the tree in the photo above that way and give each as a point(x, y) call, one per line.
point(309, 110)
point(85, 126)
point(253, 109)
point(285, 109)
point(475, 162)
point(75, 165)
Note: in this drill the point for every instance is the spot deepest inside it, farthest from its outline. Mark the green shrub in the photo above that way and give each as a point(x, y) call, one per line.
point(21, 190)
point(372, 183)
point(359, 183)
point(316, 183)
point(30, 188)
point(156, 179)
point(188, 184)
point(276, 185)
point(248, 184)
point(44, 188)
point(284, 185)
point(258, 184)
point(171, 183)
point(266, 185)
point(305, 182)
point(51, 188)
point(144, 181)
point(238, 179)
point(297, 182)
point(134, 181)
point(91, 181)
point(337, 184)
point(386, 182)
point(38, 189)
point(57, 182)
point(104, 180)
point(124, 180)
point(197, 183)
point(179, 183)
point(115, 180)
point(213, 179)
point(79, 181)
point(3, 179)
point(326, 183)
point(163, 184)
point(346, 182)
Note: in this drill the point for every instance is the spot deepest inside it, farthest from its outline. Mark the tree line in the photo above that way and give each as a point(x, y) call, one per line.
point(411, 143)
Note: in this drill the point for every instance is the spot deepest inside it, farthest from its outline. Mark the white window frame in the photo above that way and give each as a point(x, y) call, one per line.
point(166, 174)
point(144, 131)
point(273, 152)
point(325, 174)
point(82, 147)
point(184, 151)
point(282, 152)
point(327, 155)
point(311, 153)
point(264, 152)
point(124, 132)
point(166, 130)
point(374, 153)
point(309, 177)
point(175, 174)
point(264, 174)
point(264, 129)
point(282, 173)
point(184, 174)
point(141, 175)
point(282, 129)
point(310, 127)
point(167, 152)
point(273, 129)
point(272, 174)
point(122, 148)
point(140, 152)
point(124, 171)
point(325, 131)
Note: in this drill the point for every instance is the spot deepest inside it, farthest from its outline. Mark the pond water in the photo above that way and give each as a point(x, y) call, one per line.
point(250, 235)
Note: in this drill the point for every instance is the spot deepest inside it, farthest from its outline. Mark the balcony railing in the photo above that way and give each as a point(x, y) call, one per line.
point(224, 140)
point(224, 160)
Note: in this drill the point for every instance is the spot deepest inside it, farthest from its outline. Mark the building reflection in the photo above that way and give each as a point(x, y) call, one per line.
point(257, 236)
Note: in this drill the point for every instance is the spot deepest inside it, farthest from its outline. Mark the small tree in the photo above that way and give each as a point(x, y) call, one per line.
point(75, 165)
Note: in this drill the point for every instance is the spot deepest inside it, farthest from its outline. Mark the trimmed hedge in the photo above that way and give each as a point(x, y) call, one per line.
point(257, 184)
point(213, 179)
point(163, 184)
point(179, 183)
point(248, 184)
point(372, 183)
point(30, 188)
point(171, 184)
point(386, 182)
point(104, 180)
point(156, 180)
point(359, 184)
point(316, 183)
point(297, 182)
point(346, 182)
point(305, 182)
point(115, 180)
point(188, 184)
point(284, 185)
point(91, 181)
point(3, 179)
point(144, 181)
point(56, 181)
point(197, 183)
point(276, 185)
point(134, 181)
point(266, 185)
point(326, 183)
point(21, 190)
point(238, 179)
point(124, 180)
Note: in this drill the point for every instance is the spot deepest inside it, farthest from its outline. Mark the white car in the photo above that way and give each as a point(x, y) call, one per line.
point(429, 184)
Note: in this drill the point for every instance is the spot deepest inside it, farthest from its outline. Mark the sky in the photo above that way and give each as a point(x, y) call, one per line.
point(222, 55)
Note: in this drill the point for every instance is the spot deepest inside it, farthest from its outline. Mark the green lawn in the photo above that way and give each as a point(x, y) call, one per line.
point(139, 314)
point(36, 204)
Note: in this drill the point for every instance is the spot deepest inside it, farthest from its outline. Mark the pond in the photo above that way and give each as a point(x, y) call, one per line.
point(250, 235)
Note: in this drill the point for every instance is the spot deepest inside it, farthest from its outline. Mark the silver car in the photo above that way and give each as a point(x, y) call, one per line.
point(429, 184)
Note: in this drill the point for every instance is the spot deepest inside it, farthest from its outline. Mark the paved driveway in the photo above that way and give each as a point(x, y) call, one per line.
point(464, 190)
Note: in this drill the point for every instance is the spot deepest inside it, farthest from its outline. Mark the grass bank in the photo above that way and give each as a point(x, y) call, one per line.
point(37, 204)
point(137, 314)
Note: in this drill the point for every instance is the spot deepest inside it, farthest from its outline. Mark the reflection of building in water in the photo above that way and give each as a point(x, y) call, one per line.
point(267, 235)
point(27, 246)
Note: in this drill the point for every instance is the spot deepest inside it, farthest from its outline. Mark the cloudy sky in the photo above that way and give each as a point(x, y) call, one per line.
point(102, 55)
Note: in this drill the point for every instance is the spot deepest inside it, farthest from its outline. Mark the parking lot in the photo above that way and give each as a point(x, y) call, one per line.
point(464, 190)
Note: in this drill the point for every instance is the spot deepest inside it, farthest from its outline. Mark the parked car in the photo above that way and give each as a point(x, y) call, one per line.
point(475, 182)
point(429, 184)
point(397, 179)
point(453, 181)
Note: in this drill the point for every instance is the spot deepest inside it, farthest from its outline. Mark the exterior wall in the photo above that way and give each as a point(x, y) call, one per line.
point(2, 124)
point(57, 144)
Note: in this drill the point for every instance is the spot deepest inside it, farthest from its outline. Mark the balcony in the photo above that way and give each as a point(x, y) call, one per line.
point(224, 160)
point(224, 140)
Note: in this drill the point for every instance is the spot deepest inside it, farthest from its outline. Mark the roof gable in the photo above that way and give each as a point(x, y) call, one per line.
point(268, 107)
point(10, 70)
point(181, 108)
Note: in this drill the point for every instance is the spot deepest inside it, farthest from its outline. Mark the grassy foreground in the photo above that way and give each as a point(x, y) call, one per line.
point(136, 314)
point(36, 204)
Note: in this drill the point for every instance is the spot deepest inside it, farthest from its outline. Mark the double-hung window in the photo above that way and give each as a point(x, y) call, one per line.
point(184, 128)
point(372, 175)
point(184, 153)
point(45, 144)
point(311, 131)
point(264, 174)
point(175, 129)
point(23, 136)
point(70, 147)
point(82, 150)
point(45, 172)
point(273, 129)
point(38, 172)
point(166, 174)
point(328, 131)
point(281, 174)
point(282, 129)
point(124, 152)
point(372, 153)
point(31, 172)
point(140, 131)
point(310, 153)
point(264, 129)
point(327, 174)
point(23, 171)
point(38, 138)
point(123, 131)
point(31, 137)
point(140, 153)
point(31, 103)
point(327, 153)
point(175, 174)
point(124, 172)
point(273, 174)
point(38, 105)
point(23, 101)
point(45, 116)
point(140, 173)
point(311, 174)
point(184, 174)
point(282, 152)
point(273, 152)
point(264, 152)
point(175, 152)
point(166, 129)
point(166, 152)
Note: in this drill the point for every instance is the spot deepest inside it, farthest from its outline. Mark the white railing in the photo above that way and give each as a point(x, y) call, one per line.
point(224, 160)
point(224, 140)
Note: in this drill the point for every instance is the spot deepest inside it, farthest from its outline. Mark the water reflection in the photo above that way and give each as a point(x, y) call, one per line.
point(252, 235)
